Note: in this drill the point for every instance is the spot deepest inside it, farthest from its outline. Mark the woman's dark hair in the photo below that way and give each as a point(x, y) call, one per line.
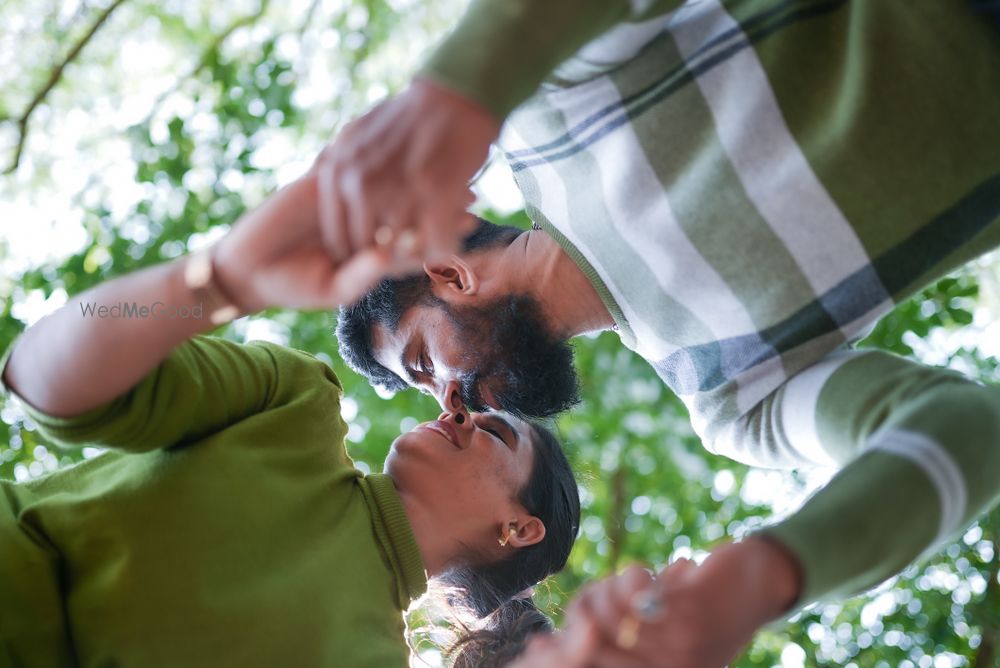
point(489, 591)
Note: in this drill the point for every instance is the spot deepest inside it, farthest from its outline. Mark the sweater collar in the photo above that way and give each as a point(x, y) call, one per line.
point(395, 534)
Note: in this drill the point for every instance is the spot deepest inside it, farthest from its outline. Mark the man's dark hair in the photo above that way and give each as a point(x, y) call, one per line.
point(386, 303)
point(383, 305)
point(530, 373)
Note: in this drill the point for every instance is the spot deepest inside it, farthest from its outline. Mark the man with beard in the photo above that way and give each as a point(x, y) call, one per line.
point(740, 191)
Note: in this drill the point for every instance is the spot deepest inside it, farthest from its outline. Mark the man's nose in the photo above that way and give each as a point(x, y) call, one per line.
point(451, 398)
point(454, 407)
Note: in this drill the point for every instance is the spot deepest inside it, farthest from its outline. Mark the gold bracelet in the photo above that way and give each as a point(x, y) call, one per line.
point(201, 280)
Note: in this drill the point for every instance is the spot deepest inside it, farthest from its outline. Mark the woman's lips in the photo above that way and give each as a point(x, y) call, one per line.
point(445, 430)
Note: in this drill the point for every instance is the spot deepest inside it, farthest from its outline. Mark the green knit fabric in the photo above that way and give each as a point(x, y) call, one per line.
point(750, 185)
point(500, 51)
point(228, 528)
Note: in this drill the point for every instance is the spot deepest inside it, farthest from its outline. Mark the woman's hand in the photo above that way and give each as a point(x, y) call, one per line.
point(703, 615)
point(405, 165)
point(275, 256)
point(70, 362)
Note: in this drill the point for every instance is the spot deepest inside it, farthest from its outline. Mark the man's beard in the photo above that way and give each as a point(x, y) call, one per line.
point(507, 348)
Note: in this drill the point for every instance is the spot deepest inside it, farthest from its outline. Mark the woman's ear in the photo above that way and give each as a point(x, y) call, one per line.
point(454, 275)
point(529, 532)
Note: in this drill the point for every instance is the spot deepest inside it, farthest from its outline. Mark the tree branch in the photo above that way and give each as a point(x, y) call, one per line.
point(213, 46)
point(54, 76)
point(308, 20)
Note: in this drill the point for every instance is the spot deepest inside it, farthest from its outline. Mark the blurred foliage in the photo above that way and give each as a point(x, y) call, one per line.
point(251, 89)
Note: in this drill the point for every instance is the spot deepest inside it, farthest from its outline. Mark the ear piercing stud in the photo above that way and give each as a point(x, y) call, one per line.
point(506, 539)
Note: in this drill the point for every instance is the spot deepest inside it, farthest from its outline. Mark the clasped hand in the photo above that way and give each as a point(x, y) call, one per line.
point(688, 617)
point(399, 172)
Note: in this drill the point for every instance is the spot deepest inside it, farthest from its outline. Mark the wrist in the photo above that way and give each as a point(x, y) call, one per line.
point(425, 87)
point(760, 573)
point(774, 573)
point(214, 292)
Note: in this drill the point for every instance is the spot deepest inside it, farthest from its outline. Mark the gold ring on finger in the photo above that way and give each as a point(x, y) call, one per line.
point(407, 242)
point(384, 235)
point(628, 632)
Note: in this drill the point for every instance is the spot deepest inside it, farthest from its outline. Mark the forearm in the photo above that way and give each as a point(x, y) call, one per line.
point(932, 465)
point(501, 50)
point(89, 352)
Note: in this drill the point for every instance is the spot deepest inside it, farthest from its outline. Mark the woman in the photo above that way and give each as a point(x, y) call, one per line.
point(228, 525)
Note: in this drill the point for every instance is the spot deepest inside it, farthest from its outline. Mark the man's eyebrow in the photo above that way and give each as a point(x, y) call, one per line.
point(407, 371)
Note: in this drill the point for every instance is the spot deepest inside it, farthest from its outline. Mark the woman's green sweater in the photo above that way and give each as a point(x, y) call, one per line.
point(228, 527)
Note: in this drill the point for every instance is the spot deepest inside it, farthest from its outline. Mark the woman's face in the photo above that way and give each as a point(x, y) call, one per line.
point(466, 470)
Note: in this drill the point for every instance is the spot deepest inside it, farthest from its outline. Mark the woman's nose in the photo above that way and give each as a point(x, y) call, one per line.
point(454, 408)
point(460, 418)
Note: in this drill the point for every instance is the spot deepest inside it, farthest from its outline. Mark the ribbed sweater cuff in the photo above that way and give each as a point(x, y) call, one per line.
point(501, 50)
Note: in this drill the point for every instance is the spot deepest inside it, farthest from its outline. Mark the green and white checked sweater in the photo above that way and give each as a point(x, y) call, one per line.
point(750, 185)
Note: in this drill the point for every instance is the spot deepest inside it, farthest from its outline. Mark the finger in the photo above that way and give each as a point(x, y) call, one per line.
point(644, 594)
point(678, 570)
point(646, 652)
point(582, 637)
point(571, 648)
point(541, 651)
point(578, 605)
point(439, 229)
point(358, 209)
point(408, 249)
point(536, 650)
point(332, 221)
point(360, 273)
point(466, 224)
point(609, 656)
point(633, 579)
point(402, 235)
point(602, 605)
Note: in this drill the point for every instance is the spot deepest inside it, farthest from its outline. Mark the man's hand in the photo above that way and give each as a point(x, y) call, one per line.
point(405, 165)
point(701, 617)
point(570, 647)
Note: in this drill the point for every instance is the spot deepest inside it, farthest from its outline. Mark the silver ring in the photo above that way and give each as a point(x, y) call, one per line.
point(646, 604)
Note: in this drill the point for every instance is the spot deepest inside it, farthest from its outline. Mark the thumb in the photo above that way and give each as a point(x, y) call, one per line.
point(466, 224)
point(361, 272)
point(580, 642)
point(678, 571)
point(443, 229)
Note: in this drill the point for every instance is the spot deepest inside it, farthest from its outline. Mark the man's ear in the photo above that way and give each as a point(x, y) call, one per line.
point(454, 275)
point(529, 531)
